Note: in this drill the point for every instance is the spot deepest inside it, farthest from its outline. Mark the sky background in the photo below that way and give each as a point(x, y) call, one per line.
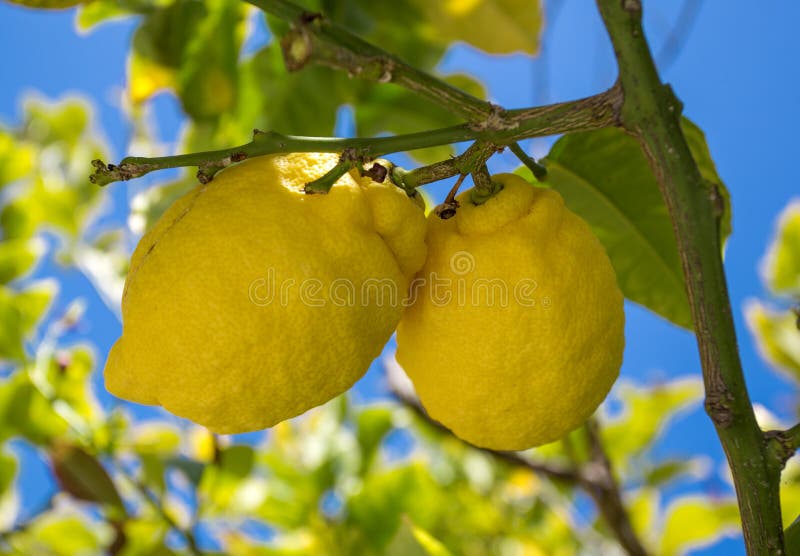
point(737, 73)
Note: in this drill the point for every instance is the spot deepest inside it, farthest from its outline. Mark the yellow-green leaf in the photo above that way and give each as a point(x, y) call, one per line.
point(777, 337)
point(781, 267)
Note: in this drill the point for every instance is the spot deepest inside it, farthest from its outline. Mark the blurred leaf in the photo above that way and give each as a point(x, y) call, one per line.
point(16, 158)
point(659, 474)
point(494, 26)
point(59, 533)
point(47, 4)
point(647, 411)
point(377, 510)
point(777, 337)
point(9, 501)
point(17, 257)
point(145, 537)
point(19, 314)
point(694, 522)
point(790, 491)
point(781, 267)
point(643, 512)
point(604, 177)
point(96, 12)
point(221, 482)
point(81, 475)
point(57, 194)
point(373, 424)
point(157, 438)
point(26, 412)
point(192, 47)
point(411, 540)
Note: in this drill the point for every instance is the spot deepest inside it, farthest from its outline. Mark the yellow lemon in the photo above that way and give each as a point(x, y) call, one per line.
point(516, 332)
point(250, 302)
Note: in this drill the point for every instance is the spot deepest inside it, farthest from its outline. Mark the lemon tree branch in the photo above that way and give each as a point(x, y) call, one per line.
point(315, 39)
point(594, 112)
point(651, 112)
point(783, 444)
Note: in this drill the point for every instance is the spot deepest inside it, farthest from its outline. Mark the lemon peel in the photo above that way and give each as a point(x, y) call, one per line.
point(517, 334)
point(217, 326)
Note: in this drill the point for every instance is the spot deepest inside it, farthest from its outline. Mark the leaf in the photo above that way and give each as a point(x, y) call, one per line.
point(647, 412)
point(411, 540)
point(781, 266)
point(643, 512)
point(792, 538)
point(494, 26)
point(192, 47)
point(373, 424)
point(82, 476)
point(16, 158)
point(26, 412)
point(47, 4)
point(777, 337)
point(694, 522)
point(20, 312)
point(17, 257)
point(62, 533)
point(604, 178)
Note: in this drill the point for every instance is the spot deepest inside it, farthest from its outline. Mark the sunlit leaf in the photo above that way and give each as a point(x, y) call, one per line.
point(17, 257)
point(373, 423)
point(647, 411)
point(494, 26)
point(694, 522)
point(47, 4)
point(16, 158)
point(62, 533)
point(643, 511)
point(411, 540)
point(781, 267)
point(26, 412)
point(19, 314)
point(777, 337)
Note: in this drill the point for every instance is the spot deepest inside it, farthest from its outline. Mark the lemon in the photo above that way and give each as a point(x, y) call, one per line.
point(516, 332)
point(250, 302)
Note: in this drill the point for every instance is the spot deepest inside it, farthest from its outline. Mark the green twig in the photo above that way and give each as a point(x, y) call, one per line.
point(484, 188)
point(652, 113)
point(589, 113)
point(539, 171)
point(782, 445)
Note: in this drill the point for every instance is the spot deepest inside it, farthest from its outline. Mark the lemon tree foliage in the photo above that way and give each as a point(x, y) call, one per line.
point(347, 477)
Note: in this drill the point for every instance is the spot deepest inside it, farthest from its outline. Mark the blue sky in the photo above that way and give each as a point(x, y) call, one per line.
point(737, 74)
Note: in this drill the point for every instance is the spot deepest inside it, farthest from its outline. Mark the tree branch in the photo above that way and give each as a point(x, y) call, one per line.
point(600, 483)
point(782, 445)
point(651, 112)
point(594, 112)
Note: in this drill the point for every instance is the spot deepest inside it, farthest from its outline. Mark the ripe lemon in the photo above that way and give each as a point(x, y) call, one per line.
point(250, 302)
point(516, 332)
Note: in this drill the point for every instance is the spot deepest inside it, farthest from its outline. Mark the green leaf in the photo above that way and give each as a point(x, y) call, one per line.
point(777, 336)
point(411, 540)
point(494, 26)
point(20, 312)
point(696, 140)
point(62, 533)
point(605, 179)
point(26, 412)
point(47, 4)
point(694, 522)
point(373, 424)
point(192, 47)
point(781, 267)
point(17, 257)
point(792, 538)
point(16, 158)
point(643, 511)
point(81, 475)
point(377, 510)
point(646, 412)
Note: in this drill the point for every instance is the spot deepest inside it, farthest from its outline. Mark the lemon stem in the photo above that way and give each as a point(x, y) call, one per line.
point(324, 183)
point(484, 188)
point(539, 171)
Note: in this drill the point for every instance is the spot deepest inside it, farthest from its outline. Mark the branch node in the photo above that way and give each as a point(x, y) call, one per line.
point(718, 406)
